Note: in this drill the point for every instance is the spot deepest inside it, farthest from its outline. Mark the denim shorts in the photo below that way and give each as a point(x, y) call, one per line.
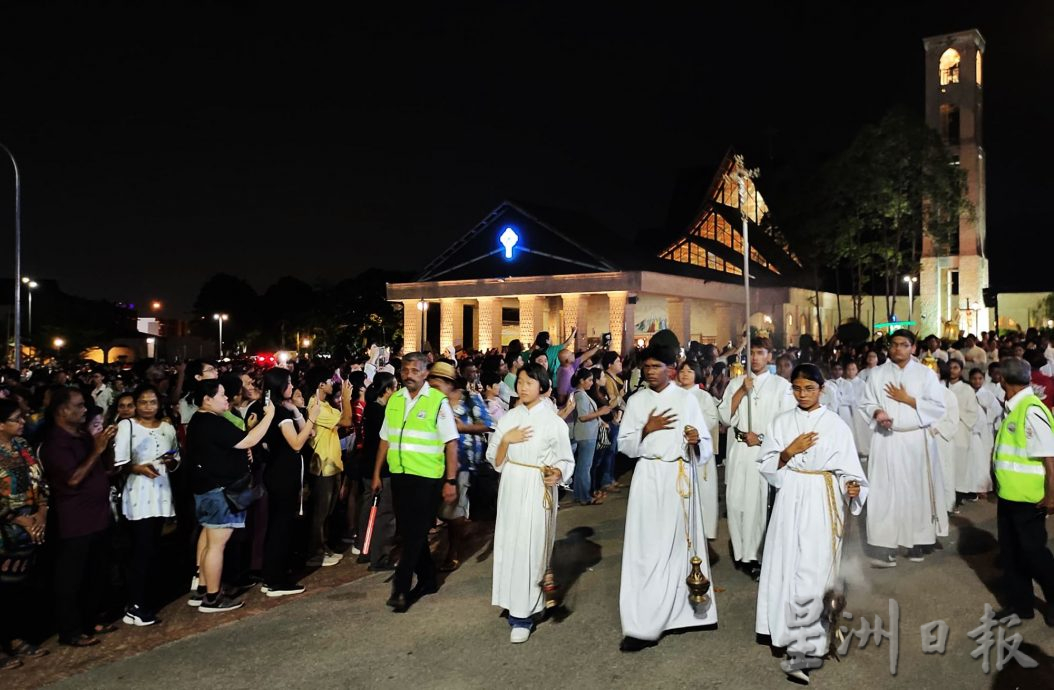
point(212, 510)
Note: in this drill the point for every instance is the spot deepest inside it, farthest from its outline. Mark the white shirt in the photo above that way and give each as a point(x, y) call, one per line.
point(103, 397)
point(446, 428)
point(144, 497)
point(1039, 438)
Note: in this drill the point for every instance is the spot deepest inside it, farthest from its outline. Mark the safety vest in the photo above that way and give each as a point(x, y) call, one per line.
point(1019, 477)
point(414, 446)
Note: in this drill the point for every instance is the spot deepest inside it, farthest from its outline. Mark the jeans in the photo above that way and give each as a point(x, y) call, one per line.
point(324, 494)
point(584, 470)
point(604, 462)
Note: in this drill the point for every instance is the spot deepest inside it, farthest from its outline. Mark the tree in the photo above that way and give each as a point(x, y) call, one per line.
point(227, 294)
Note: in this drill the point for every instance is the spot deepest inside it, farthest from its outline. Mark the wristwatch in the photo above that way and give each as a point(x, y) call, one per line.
point(452, 482)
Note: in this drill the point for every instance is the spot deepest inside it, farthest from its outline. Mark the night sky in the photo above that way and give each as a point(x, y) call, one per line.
point(160, 148)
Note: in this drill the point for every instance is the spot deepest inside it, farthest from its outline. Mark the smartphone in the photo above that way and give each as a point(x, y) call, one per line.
point(267, 398)
point(605, 339)
point(772, 368)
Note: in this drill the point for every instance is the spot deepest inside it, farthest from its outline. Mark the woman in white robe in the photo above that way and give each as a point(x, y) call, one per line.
point(656, 429)
point(532, 450)
point(809, 457)
point(968, 413)
point(944, 432)
point(689, 376)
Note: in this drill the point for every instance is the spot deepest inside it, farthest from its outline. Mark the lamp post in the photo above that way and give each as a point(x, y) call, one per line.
point(220, 318)
point(30, 286)
point(58, 343)
point(18, 258)
point(911, 280)
point(422, 307)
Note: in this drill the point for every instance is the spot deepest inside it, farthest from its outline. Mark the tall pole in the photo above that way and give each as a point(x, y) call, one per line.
point(741, 174)
point(18, 258)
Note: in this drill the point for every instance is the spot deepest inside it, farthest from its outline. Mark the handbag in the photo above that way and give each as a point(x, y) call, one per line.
point(242, 493)
point(603, 438)
point(18, 553)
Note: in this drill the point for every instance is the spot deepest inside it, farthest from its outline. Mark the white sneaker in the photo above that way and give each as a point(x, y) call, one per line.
point(518, 635)
point(889, 561)
point(323, 561)
point(283, 591)
point(355, 551)
point(338, 556)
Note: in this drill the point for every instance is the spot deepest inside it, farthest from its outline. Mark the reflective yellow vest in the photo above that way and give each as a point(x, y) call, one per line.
point(414, 446)
point(1019, 477)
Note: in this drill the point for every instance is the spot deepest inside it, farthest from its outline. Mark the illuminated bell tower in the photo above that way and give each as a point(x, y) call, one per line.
point(951, 286)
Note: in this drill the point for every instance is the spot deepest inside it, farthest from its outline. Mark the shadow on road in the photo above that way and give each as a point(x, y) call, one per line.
point(573, 555)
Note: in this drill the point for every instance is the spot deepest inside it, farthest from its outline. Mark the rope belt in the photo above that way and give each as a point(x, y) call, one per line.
point(547, 494)
point(833, 511)
point(684, 490)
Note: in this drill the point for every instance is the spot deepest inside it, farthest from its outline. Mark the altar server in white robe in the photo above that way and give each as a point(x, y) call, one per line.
point(809, 457)
point(659, 424)
point(968, 413)
point(852, 396)
point(903, 398)
point(689, 376)
point(749, 405)
point(532, 450)
point(982, 441)
point(944, 433)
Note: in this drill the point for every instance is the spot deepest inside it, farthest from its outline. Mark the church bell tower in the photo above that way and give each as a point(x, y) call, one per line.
point(952, 286)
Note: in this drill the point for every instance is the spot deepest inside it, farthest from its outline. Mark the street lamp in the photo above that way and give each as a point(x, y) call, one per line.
point(306, 342)
point(220, 318)
point(155, 305)
point(422, 307)
point(30, 285)
point(911, 280)
point(58, 343)
point(18, 258)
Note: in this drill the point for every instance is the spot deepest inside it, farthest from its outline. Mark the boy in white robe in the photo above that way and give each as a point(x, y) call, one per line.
point(532, 450)
point(982, 440)
point(968, 412)
point(689, 376)
point(944, 433)
point(809, 457)
point(903, 398)
point(659, 424)
point(750, 403)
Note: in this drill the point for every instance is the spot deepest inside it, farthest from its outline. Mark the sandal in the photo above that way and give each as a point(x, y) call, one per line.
point(82, 641)
point(450, 566)
point(598, 498)
point(30, 651)
point(101, 629)
point(9, 663)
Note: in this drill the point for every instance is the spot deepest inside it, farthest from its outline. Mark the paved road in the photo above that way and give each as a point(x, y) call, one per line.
point(346, 637)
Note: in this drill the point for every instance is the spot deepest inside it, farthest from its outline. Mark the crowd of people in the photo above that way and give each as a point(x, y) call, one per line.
point(242, 477)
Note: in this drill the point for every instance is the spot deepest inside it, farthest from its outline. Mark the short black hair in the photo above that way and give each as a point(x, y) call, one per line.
point(489, 378)
point(761, 343)
point(903, 333)
point(808, 371)
point(608, 359)
point(581, 375)
point(536, 371)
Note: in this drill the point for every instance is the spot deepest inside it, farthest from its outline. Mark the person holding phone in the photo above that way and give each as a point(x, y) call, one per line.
point(146, 446)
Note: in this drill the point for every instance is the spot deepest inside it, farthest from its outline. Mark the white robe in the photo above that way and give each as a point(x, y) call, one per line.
point(982, 440)
point(708, 479)
point(520, 544)
point(746, 492)
point(968, 413)
point(944, 433)
point(800, 563)
point(906, 506)
point(853, 390)
point(653, 597)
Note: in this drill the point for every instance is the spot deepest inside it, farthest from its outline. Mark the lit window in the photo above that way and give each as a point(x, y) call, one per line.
point(949, 67)
point(977, 68)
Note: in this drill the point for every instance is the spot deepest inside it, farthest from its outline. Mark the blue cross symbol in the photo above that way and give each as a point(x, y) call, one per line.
point(508, 239)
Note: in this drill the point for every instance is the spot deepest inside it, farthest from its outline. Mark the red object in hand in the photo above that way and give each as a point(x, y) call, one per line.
point(369, 525)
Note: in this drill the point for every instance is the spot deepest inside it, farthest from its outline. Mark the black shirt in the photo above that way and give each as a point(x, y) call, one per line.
point(211, 442)
point(284, 464)
point(372, 419)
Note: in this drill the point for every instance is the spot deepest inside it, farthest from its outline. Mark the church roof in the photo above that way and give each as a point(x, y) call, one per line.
point(700, 239)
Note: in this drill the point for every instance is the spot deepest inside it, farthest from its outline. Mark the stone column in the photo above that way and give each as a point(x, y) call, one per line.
point(723, 328)
point(618, 310)
point(679, 318)
point(411, 326)
point(531, 314)
point(571, 304)
point(459, 325)
point(488, 328)
point(447, 306)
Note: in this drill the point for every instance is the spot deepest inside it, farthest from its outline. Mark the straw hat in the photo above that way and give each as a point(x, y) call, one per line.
point(443, 370)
